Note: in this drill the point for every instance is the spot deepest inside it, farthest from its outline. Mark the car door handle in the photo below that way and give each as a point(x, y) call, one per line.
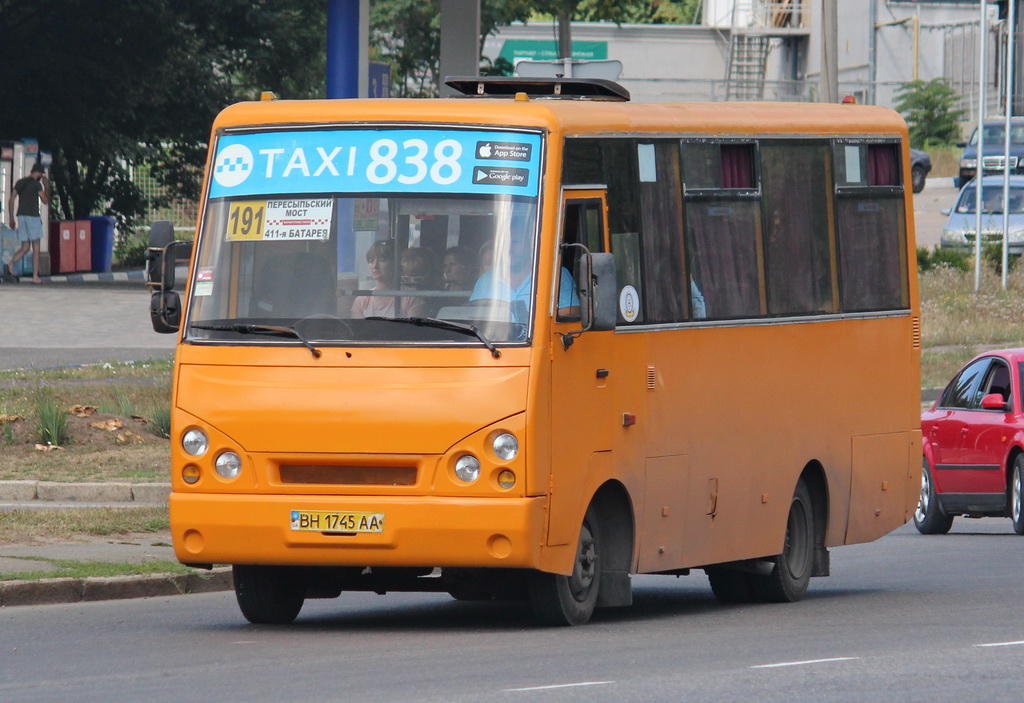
point(963, 430)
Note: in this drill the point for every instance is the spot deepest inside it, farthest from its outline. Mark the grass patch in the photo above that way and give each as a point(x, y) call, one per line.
point(20, 526)
point(953, 314)
point(51, 422)
point(89, 569)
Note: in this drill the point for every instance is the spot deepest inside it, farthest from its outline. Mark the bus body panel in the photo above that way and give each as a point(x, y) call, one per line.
point(707, 436)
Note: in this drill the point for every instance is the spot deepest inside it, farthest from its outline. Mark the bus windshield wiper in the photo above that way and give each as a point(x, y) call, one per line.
point(249, 328)
point(445, 325)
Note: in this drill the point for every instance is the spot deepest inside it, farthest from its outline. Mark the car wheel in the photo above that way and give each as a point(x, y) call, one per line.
point(1017, 495)
point(929, 518)
point(917, 178)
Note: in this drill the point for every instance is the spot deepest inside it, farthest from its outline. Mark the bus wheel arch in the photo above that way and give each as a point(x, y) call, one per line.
point(803, 554)
point(601, 565)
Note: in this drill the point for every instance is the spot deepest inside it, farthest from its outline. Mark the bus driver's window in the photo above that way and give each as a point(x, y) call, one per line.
point(581, 225)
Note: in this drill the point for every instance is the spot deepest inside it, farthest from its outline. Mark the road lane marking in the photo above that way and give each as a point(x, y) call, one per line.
point(560, 685)
point(1000, 644)
point(801, 663)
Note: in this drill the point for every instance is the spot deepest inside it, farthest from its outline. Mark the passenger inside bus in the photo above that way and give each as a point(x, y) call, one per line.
point(460, 268)
point(381, 258)
point(419, 272)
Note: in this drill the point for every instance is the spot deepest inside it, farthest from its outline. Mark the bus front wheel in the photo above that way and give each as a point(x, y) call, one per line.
point(788, 580)
point(268, 595)
point(570, 600)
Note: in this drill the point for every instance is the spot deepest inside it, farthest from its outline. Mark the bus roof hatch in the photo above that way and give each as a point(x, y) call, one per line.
point(563, 88)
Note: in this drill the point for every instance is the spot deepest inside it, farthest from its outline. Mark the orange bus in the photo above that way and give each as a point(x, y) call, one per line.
point(526, 343)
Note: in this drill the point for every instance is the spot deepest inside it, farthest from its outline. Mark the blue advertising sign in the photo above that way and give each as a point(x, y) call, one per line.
point(376, 161)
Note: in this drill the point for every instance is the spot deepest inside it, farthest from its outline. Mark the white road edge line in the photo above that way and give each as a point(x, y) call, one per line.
point(1000, 644)
point(809, 661)
point(560, 685)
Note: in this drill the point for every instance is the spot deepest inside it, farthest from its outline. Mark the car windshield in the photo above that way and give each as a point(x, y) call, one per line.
point(992, 199)
point(995, 134)
point(436, 246)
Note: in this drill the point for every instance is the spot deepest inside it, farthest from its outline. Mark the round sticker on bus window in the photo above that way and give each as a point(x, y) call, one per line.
point(629, 303)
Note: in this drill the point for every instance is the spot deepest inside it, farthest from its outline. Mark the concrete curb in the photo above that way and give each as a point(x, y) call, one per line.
point(73, 590)
point(52, 491)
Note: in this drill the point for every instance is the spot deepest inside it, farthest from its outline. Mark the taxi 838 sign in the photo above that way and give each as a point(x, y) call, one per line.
point(372, 161)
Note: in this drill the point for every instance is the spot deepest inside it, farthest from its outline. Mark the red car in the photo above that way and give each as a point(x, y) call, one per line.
point(973, 441)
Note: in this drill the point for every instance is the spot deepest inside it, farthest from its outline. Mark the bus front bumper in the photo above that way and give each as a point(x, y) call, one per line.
point(421, 531)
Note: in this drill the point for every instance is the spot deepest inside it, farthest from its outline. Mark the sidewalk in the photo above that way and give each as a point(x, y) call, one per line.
point(136, 548)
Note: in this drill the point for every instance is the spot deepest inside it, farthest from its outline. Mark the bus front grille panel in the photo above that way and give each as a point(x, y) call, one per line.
point(348, 475)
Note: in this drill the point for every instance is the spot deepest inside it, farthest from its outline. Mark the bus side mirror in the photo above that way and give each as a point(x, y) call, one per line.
point(164, 303)
point(596, 276)
point(159, 257)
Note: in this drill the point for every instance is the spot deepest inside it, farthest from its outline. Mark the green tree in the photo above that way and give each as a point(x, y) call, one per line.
point(104, 84)
point(929, 112)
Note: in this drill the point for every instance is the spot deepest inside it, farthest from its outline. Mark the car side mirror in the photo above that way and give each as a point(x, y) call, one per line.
point(961, 145)
point(947, 211)
point(994, 401)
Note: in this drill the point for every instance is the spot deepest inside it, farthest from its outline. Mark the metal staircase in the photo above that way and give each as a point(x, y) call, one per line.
point(755, 25)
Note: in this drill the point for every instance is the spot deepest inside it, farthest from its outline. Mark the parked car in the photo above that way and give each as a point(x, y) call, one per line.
point(920, 166)
point(995, 141)
point(961, 227)
point(973, 442)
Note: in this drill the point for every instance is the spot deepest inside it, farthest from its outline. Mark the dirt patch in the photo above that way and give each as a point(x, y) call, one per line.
point(97, 447)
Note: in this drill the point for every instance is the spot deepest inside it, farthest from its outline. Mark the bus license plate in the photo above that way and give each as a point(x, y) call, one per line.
point(331, 521)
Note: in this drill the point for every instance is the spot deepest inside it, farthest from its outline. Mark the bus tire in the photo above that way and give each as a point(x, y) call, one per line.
point(1017, 495)
point(930, 518)
point(730, 585)
point(788, 580)
point(268, 595)
point(570, 600)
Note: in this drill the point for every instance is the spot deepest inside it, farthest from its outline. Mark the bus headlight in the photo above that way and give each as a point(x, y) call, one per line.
point(467, 468)
point(506, 446)
point(195, 443)
point(229, 465)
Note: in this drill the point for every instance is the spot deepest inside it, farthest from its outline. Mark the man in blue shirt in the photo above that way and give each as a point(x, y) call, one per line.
point(492, 286)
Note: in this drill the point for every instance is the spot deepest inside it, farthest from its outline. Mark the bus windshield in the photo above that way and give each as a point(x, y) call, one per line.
point(390, 263)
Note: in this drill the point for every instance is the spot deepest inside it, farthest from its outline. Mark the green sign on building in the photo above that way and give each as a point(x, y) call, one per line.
point(547, 50)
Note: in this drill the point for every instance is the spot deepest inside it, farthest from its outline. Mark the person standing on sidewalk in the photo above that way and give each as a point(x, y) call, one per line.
point(29, 191)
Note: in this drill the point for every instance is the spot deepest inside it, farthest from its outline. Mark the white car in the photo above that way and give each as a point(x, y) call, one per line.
point(960, 229)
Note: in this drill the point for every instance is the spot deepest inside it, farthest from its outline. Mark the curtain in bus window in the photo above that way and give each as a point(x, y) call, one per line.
point(737, 162)
point(662, 240)
point(883, 166)
point(722, 250)
point(796, 182)
point(872, 254)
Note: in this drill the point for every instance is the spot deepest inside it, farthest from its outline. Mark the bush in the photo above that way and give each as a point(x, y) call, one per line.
point(130, 251)
point(992, 254)
point(928, 259)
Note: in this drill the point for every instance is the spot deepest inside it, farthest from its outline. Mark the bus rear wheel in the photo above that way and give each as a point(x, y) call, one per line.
point(268, 595)
point(570, 600)
point(788, 580)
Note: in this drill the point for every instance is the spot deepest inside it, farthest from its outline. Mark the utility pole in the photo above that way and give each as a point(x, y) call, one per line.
point(829, 52)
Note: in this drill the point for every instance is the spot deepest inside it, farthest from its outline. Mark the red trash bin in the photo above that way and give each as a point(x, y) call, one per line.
point(62, 247)
point(83, 245)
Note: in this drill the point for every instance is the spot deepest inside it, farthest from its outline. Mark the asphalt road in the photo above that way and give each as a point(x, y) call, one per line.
point(938, 194)
point(57, 324)
point(907, 618)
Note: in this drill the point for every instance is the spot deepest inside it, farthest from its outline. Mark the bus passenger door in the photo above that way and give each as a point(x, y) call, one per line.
point(582, 377)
